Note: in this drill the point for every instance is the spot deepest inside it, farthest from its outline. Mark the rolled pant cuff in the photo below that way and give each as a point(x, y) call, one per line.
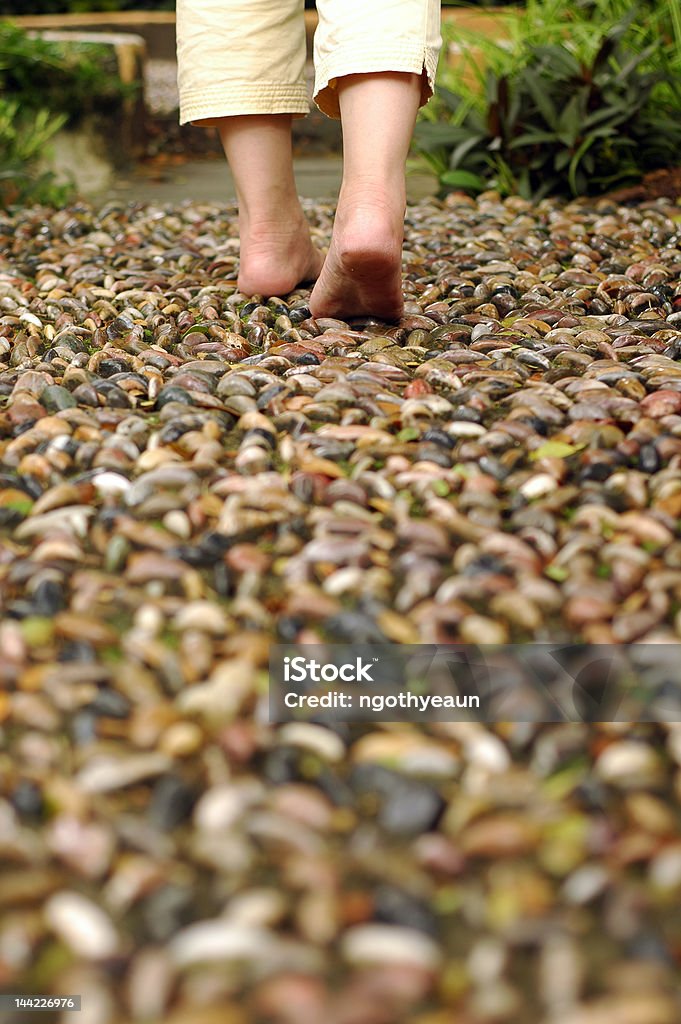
point(352, 62)
point(208, 105)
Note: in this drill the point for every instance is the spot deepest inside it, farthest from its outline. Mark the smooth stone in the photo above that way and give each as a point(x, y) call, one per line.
point(629, 765)
point(82, 925)
point(315, 738)
point(108, 774)
point(378, 943)
point(220, 940)
point(55, 398)
point(410, 808)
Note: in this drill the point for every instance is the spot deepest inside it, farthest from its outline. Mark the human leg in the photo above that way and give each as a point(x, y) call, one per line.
point(375, 65)
point(362, 272)
point(242, 70)
point(276, 251)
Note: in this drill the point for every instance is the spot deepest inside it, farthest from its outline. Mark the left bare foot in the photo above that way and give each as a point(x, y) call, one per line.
point(276, 257)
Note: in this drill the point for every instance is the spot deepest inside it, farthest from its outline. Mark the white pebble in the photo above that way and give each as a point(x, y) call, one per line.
point(584, 884)
point(111, 483)
point(485, 750)
point(222, 806)
point(220, 939)
point(537, 486)
point(484, 328)
point(149, 620)
point(349, 578)
point(371, 943)
point(107, 774)
point(177, 522)
point(220, 697)
point(82, 925)
point(665, 869)
point(628, 764)
point(462, 428)
point(203, 616)
point(486, 961)
point(316, 738)
point(259, 908)
point(72, 518)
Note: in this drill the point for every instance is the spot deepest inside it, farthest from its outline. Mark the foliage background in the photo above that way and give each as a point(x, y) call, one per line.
point(577, 99)
point(46, 86)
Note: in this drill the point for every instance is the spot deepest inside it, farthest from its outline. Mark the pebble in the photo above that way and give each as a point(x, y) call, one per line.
point(221, 806)
point(108, 773)
point(374, 943)
point(410, 808)
point(190, 474)
point(82, 925)
point(326, 744)
point(629, 765)
point(220, 940)
point(502, 835)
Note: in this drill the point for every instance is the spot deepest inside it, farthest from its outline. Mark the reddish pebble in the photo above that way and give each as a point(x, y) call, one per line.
point(416, 388)
point(661, 403)
point(247, 558)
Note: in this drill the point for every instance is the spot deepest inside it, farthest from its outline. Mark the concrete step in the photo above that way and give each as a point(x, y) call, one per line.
point(211, 181)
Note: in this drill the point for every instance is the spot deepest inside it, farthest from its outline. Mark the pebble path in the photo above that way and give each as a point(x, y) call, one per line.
point(187, 474)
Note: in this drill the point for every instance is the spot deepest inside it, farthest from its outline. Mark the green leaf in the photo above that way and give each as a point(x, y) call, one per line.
point(464, 180)
point(408, 434)
point(539, 93)
point(570, 121)
point(554, 450)
point(556, 572)
point(532, 139)
point(200, 328)
point(464, 148)
point(431, 135)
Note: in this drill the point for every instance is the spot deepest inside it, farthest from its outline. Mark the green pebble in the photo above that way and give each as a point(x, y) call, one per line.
point(55, 398)
point(37, 630)
point(117, 551)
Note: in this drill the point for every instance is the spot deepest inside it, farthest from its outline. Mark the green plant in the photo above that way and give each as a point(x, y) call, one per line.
point(571, 104)
point(77, 6)
point(23, 137)
point(72, 78)
point(47, 86)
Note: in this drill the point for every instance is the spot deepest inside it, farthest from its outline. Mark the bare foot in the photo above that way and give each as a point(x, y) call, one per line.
point(362, 274)
point(276, 257)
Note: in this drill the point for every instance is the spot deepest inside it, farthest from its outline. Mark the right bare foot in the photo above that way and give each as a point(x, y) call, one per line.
point(276, 257)
point(362, 274)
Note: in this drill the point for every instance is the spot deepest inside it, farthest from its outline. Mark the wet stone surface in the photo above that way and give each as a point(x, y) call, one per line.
point(188, 474)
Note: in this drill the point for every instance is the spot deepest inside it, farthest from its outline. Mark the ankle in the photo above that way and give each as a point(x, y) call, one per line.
point(279, 221)
point(385, 192)
point(369, 208)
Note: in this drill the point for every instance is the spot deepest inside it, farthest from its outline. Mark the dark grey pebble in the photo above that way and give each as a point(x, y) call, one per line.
point(110, 704)
point(168, 910)
point(48, 597)
point(27, 800)
point(411, 808)
point(173, 394)
point(172, 802)
point(648, 459)
point(393, 905)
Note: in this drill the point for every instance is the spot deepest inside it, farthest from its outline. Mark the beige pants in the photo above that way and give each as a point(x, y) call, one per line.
point(248, 56)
